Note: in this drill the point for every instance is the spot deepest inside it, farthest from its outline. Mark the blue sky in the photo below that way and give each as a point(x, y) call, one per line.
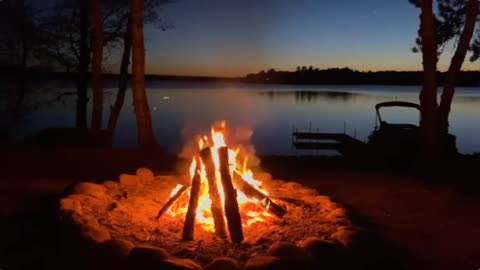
point(235, 37)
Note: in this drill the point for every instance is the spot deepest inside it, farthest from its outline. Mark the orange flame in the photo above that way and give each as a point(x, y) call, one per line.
point(250, 212)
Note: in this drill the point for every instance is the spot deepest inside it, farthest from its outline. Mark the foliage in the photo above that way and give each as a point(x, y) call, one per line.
point(450, 21)
point(304, 75)
point(17, 30)
point(59, 25)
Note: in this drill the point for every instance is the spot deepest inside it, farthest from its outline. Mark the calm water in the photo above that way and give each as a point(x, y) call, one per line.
point(182, 109)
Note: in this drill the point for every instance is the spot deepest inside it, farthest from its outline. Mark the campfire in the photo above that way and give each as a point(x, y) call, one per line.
point(218, 204)
point(223, 193)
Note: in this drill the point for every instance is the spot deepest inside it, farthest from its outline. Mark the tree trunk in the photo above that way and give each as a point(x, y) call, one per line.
point(123, 80)
point(82, 79)
point(146, 136)
point(455, 67)
point(428, 95)
point(22, 80)
point(97, 110)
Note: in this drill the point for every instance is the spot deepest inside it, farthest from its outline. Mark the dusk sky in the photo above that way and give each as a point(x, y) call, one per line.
point(236, 37)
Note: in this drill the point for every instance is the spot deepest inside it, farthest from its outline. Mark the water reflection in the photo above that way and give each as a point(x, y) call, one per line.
point(311, 96)
point(181, 110)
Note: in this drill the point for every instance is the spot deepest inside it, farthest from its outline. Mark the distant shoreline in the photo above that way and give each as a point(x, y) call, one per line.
point(320, 77)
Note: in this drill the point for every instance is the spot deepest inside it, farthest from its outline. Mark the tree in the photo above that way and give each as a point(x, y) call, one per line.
point(123, 80)
point(84, 62)
point(97, 64)
point(150, 16)
point(472, 11)
point(456, 19)
point(17, 36)
point(146, 136)
point(68, 38)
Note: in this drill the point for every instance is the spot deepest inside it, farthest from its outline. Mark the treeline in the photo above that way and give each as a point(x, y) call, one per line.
point(42, 74)
point(304, 75)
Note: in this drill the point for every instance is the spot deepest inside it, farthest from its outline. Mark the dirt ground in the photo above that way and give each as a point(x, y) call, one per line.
point(432, 220)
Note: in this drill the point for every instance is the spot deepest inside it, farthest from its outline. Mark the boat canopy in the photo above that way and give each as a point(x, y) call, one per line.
point(403, 104)
point(397, 104)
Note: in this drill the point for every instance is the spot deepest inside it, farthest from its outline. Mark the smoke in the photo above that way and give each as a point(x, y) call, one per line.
point(237, 136)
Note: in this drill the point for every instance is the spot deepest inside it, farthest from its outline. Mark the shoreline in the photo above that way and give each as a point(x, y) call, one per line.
point(469, 78)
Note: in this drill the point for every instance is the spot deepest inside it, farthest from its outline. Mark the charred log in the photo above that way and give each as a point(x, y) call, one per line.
point(232, 212)
point(262, 200)
point(170, 202)
point(189, 225)
point(217, 211)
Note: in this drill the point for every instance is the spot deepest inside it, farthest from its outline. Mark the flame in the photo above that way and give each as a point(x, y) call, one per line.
point(249, 210)
point(175, 190)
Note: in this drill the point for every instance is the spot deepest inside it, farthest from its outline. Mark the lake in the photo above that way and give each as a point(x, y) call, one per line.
point(267, 113)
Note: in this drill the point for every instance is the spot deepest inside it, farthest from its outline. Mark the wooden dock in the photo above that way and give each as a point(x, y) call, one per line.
point(341, 142)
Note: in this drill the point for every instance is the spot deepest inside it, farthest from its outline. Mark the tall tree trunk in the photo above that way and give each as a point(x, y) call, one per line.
point(22, 80)
point(455, 67)
point(123, 80)
point(82, 79)
point(142, 111)
point(97, 111)
point(428, 95)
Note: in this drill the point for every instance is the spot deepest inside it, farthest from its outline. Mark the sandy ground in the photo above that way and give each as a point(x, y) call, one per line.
point(432, 220)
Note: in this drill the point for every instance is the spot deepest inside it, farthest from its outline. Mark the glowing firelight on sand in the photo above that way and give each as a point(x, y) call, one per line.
point(250, 212)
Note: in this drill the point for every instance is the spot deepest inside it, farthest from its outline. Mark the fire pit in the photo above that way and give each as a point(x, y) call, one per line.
point(219, 209)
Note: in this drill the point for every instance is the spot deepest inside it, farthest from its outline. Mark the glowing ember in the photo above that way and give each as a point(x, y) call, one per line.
point(250, 212)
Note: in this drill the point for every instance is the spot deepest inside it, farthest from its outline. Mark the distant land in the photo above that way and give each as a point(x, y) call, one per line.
point(331, 76)
point(312, 75)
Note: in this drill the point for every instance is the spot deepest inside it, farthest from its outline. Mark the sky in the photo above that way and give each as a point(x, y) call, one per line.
point(231, 38)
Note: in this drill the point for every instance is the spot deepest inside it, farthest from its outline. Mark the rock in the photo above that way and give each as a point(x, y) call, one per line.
point(117, 247)
point(84, 220)
point(263, 263)
point(69, 205)
point(113, 254)
point(145, 175)
point(327, 254)
point(109, 185)
point(180, 264)
point(91, 189)
point(349, 237)
point(362, 248)
point(129, 180)
point(147, 257)
point(224, 264)
point(255, 240)
point(323, 198)
point(337, 213)
point(94, 232)
point(287, 251)
point(183, 252)
point(86, 200)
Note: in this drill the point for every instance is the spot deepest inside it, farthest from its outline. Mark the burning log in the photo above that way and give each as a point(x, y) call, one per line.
point(263, 200)
point(232, 212)
point(189, 225)
point(171, 201)
point(217, 211)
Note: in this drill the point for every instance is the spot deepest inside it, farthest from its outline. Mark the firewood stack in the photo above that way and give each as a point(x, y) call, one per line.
point(230, 210)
